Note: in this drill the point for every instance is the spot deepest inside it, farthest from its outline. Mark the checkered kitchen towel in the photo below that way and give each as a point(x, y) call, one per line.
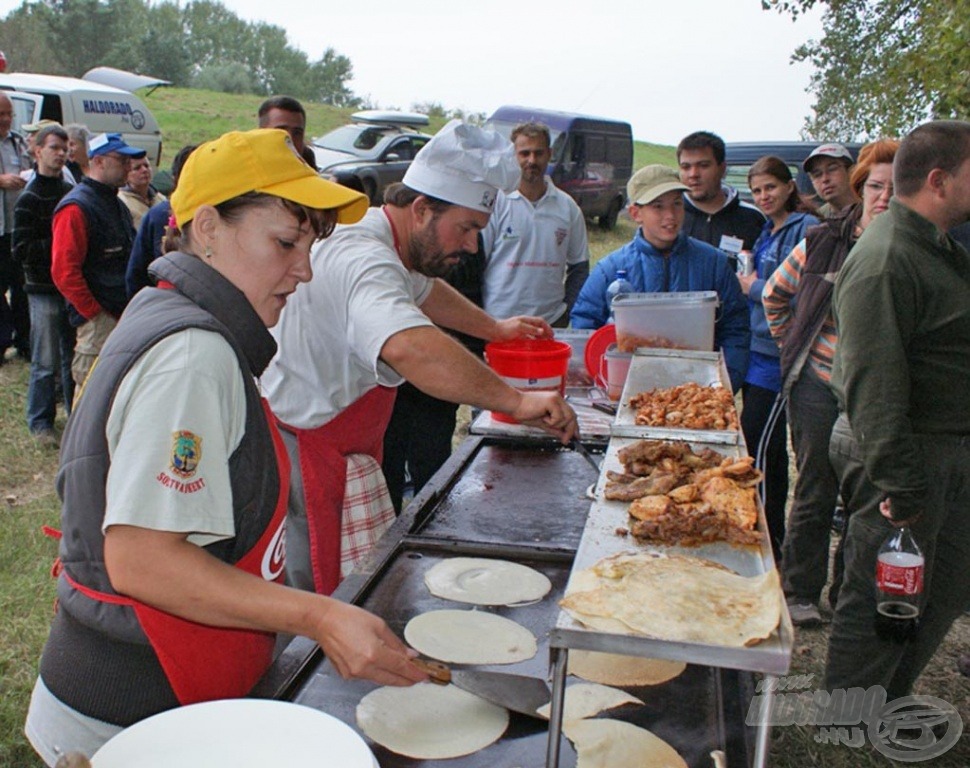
point(367, 511)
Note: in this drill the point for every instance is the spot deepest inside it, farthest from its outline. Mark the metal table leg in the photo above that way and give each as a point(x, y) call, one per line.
point(557, 660)
point(763, 739)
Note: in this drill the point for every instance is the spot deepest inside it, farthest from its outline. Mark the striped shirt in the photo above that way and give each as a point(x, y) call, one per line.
point(778, 297)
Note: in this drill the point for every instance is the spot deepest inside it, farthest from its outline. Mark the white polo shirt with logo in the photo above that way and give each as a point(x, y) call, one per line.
point(528, 247)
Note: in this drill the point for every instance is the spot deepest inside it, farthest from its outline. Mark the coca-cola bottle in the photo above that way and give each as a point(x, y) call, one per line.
point(899, 586)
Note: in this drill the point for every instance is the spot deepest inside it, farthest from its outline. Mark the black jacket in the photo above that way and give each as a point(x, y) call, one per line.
point(735, 219)
point(32, 218)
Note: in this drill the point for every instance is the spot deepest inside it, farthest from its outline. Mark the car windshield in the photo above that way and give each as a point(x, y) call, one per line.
point(352, 139)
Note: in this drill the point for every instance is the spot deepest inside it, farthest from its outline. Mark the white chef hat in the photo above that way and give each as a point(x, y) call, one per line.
point(465, 165)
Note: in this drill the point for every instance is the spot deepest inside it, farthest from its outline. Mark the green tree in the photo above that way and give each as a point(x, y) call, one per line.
point(24, 41)
point(884, 66)
point(277, 67)
point(163, 46)
point(215, 34)
point(202, 42)
point(328, 78)
point(231, 77)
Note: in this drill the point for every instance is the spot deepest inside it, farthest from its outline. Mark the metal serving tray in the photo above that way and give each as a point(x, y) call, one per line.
point(595, 426)
point(662, 368)
point(699, 711)
point(581, 391)
point(497, 491)
point(600, 539)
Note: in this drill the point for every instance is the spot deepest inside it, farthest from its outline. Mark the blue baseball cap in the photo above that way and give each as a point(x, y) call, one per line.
point(104, 143)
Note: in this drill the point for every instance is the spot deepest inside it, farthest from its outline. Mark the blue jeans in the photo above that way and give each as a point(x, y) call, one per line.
point(51, 352)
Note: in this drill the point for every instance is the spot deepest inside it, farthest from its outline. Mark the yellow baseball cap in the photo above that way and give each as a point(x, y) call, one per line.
point(261, 160)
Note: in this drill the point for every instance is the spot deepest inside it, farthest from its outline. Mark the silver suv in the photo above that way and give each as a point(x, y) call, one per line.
point(373, 151)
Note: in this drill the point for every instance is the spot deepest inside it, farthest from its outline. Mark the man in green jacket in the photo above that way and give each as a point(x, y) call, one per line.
point(901, 373)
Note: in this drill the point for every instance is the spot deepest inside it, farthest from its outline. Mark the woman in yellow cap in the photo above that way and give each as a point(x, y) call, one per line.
point(173, 480)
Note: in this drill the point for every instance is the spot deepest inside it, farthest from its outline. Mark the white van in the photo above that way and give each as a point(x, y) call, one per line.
point(101, 108)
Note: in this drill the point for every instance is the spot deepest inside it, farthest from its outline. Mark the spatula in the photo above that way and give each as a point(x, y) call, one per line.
point(516, 692)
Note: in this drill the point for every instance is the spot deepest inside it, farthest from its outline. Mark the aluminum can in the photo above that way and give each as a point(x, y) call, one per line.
point(745, 263)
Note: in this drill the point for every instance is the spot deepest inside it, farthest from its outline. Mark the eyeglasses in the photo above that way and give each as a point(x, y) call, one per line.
point(828, 170)
point(878, 189)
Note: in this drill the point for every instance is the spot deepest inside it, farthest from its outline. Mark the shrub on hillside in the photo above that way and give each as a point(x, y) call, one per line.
point(233, 77)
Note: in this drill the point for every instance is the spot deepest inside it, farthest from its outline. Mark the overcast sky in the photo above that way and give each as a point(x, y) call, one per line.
point(668, 68)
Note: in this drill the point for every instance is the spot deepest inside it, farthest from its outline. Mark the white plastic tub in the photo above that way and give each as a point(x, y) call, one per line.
point(665, 320)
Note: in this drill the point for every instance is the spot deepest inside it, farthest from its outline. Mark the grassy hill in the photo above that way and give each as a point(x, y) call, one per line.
point(190, 116)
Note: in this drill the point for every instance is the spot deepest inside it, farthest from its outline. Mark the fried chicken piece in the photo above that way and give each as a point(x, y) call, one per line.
point(708, 457)
point(690, 525)
point(724, 495)
point(650, 507)
point(619, 477)
point(739, 467)
point(646, 451)
point(685, 494)
point(656, 483)
point(742, 471)
point(698, 527)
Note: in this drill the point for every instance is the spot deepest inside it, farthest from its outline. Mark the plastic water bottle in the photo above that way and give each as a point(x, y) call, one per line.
point(899, 586)
point(618, 286)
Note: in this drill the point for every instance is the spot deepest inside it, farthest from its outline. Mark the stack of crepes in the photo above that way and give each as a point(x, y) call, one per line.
point(675, 597)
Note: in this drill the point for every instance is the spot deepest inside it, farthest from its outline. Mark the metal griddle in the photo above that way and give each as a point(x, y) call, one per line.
point(508, 491)
point(700, 711)
point(523, 501)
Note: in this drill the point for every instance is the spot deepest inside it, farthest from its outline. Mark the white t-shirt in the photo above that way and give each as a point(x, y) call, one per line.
point(332, 330)
point(177, 417)
point(528, 247)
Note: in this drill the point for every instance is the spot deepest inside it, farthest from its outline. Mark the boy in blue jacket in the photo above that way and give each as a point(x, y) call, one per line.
point(661, 258)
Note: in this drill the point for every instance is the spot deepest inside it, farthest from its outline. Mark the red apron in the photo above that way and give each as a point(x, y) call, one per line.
point(359, 428)
point(204, 663)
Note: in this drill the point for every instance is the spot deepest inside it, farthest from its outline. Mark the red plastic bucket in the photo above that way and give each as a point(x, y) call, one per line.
point(529, 365)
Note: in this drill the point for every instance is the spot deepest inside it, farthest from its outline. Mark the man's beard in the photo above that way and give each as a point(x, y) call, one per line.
point(426, 254)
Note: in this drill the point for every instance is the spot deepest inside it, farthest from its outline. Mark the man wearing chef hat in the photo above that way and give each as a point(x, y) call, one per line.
point(365, 324)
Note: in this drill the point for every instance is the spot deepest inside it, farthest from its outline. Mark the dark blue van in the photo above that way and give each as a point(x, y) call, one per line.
point(742, 155)
point(592, 157)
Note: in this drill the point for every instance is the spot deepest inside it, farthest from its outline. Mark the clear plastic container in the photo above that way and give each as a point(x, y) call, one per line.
point(614, 367)
point(665, 320)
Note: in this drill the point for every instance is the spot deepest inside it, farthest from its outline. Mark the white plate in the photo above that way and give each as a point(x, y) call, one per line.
point(243, 733)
